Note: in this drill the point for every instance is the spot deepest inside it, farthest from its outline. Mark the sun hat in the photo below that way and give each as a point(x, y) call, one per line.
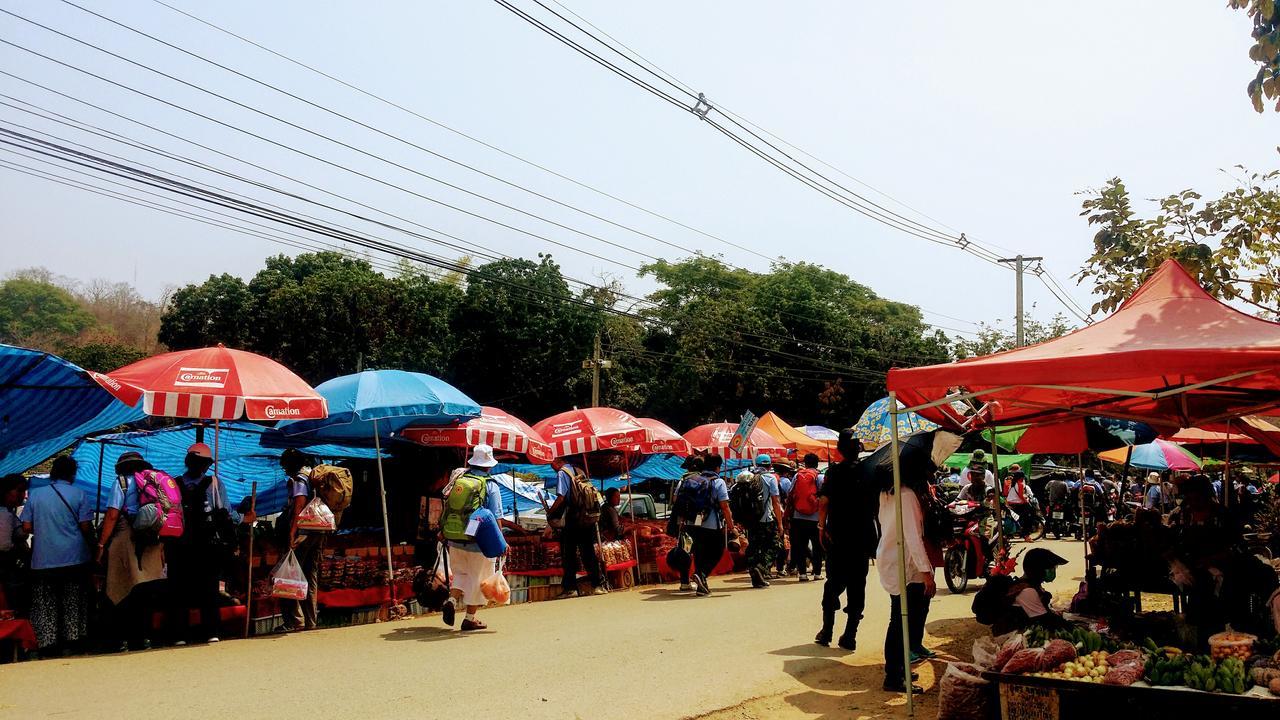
point(1153, 478)
point(482, 456)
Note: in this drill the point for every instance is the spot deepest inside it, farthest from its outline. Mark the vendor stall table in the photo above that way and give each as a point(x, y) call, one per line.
point(557, 572)
point(358, 598)
point(1022, 697)
point(15, 635)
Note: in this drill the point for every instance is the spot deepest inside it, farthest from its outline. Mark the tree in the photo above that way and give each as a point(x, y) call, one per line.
point(1228, 244)
point(218, 310)
point(1265, 51)
point(38, 313)
point(994, 338)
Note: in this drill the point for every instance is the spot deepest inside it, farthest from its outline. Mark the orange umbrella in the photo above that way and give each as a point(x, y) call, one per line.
point(794, 439)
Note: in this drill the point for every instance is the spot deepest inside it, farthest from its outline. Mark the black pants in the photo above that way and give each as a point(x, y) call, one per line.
point(805, 546)
point(194, 573)
point(575, 542)
point(708, 548)
point(846, 575)
point(917, 610)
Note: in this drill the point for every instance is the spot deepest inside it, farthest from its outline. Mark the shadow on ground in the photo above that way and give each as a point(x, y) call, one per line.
point(428, 633)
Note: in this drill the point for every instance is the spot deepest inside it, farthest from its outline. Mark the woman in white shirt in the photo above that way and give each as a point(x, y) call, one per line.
point(920, 583)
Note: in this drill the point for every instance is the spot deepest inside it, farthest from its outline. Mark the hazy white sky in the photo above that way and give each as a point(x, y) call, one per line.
point(989, 117)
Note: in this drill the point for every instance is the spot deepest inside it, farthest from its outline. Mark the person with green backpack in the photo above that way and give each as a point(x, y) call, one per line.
point(470, 491)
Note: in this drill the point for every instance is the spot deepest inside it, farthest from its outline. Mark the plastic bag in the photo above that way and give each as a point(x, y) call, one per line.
point(1057, 652)
point(287, 580)
point(1024, 661)
point(316, 516)
point(496, 589)
point(993, 652)
point(1230, 643)
point(963, 694)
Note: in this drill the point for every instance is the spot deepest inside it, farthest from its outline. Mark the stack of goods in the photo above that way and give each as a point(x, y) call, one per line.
point(525, 553)
point(551, 556)
point(652, 541)
point(351, 572)
point(613, 553)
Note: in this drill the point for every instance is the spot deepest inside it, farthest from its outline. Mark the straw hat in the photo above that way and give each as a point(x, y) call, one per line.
point(482, 456)
point(1153, 478)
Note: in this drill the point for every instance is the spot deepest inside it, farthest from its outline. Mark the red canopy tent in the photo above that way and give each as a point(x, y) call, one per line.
point(1172, 356)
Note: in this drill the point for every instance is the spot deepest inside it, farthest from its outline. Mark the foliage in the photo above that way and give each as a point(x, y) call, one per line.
point(995, 338)
point(36, 312)
point(1265, 51)
point(1228, 244)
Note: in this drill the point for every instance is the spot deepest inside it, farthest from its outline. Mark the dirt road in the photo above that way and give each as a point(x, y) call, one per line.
point(647, 653)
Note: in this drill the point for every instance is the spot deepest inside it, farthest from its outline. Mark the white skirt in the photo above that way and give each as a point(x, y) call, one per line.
point(470, 568)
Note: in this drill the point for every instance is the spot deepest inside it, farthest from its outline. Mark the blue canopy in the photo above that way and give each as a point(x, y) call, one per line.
point(395, 398)
point(242, 458)
point(513, 490)
point(46, 403)
point(654, 467)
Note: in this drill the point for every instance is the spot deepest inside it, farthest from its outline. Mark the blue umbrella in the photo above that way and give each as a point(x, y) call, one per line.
point(376, 403)
point(875, 429)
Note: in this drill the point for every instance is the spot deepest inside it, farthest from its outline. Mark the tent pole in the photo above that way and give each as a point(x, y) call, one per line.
point(1084, 535)
point(386, 523)
point(902, 555)
point(1228, 487)
point(999, 488)
point(97, 499)
point(248, 587)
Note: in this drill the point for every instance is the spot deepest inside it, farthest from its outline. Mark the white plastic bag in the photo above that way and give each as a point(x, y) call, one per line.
point(316, 517)
point(287, 580)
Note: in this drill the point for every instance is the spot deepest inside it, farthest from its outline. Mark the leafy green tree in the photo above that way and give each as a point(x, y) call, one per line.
point(1228, 244)
point(219, 310)
point(103, 356)
point(994, 338)
point(34, 311)
point(1265, 51)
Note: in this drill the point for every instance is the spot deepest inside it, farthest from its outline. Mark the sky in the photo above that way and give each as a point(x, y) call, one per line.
point(987, 118)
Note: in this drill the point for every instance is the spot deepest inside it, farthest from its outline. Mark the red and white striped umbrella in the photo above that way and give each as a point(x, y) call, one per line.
point(494, 427)
point(214, 383)
point(663, 439)
point(590, 429)
point(716, 437)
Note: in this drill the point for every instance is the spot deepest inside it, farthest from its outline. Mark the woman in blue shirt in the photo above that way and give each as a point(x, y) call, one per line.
point(132, 572)
point(59, 518)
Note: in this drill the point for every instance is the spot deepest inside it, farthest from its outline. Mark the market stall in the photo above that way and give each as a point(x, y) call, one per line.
point(1171, 356)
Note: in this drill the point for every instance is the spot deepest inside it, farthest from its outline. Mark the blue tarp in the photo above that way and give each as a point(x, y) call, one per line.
point(655, 467)
point(242, 458)
point(46, 404)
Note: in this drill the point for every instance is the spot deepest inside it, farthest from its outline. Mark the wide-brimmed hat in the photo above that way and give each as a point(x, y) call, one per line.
point(131, 461)
point(1040, 559)
point(784, 464)
point(1153, 478)
point(482, 456)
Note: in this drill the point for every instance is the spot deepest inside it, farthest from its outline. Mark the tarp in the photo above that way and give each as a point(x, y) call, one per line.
point(242, 458)
point(46, 404)
point(794, 439)
point(655, 467)
point(1170, 356)
point(960, 460)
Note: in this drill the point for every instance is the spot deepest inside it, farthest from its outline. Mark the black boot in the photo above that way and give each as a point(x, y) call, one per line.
point(849, 639)
point(823, 637)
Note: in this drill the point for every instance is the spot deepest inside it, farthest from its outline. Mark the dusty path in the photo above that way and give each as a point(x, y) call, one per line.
point(648, 653)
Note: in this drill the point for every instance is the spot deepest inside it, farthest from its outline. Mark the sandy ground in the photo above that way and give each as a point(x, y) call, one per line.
point(646, 653)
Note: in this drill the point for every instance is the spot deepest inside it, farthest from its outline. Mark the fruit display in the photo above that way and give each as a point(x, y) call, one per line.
point(1231, 644)
point(1085, 641)
point(1167, 669)
point(1091, 668)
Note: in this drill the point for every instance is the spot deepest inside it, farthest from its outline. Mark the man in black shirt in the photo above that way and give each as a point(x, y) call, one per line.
point(847, 507)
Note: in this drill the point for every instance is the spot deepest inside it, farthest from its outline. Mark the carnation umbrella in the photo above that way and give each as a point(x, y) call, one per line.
point(493, 427)
point(586, 430)
point(716, 437)
point(366, 405)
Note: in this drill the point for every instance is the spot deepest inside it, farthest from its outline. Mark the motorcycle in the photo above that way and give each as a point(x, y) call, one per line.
point(1062, 520)
point(1033, 527)
point(967, 556)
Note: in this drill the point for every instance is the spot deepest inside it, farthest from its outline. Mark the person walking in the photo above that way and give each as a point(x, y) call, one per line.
point(59, 517)
point(1018, 499)
point(307, 547)
point(134, 571)
point(701, 508)
point(15, 553)
point(758, 507)
point(920, 586)
point(785, 470)
point(578, 504)
point(470, 490)
point(847, 507)
point(806, 544)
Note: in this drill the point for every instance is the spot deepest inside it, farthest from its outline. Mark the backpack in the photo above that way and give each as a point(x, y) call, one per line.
point(333, 485)
point(992, 601)
point(746, 499)
point(156, 489)
point(804, 494)
point(584, 501)
point(694, 499)
point(467, 496)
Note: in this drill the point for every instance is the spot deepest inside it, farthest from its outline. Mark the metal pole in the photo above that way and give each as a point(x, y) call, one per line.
point(999, 488)
point(902, 555)
point(1019, 264)
point(1228, 487)
point(386, 523)
point(248, 587)
point(595, 374)
point(97, 499)
point(1084, 535)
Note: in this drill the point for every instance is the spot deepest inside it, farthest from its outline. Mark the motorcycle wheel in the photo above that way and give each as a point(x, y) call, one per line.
point(1038, 531)
point(954, 570)
point(1057, 530)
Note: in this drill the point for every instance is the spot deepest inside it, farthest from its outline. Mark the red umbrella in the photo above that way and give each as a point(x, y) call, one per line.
point(716, 437)
point(663, 439)
point(590, 429)
point(214, 383)
point(494, 427)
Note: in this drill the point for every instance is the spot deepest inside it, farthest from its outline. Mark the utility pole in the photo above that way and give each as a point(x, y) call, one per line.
point(1020, 336)
point(595, 363)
